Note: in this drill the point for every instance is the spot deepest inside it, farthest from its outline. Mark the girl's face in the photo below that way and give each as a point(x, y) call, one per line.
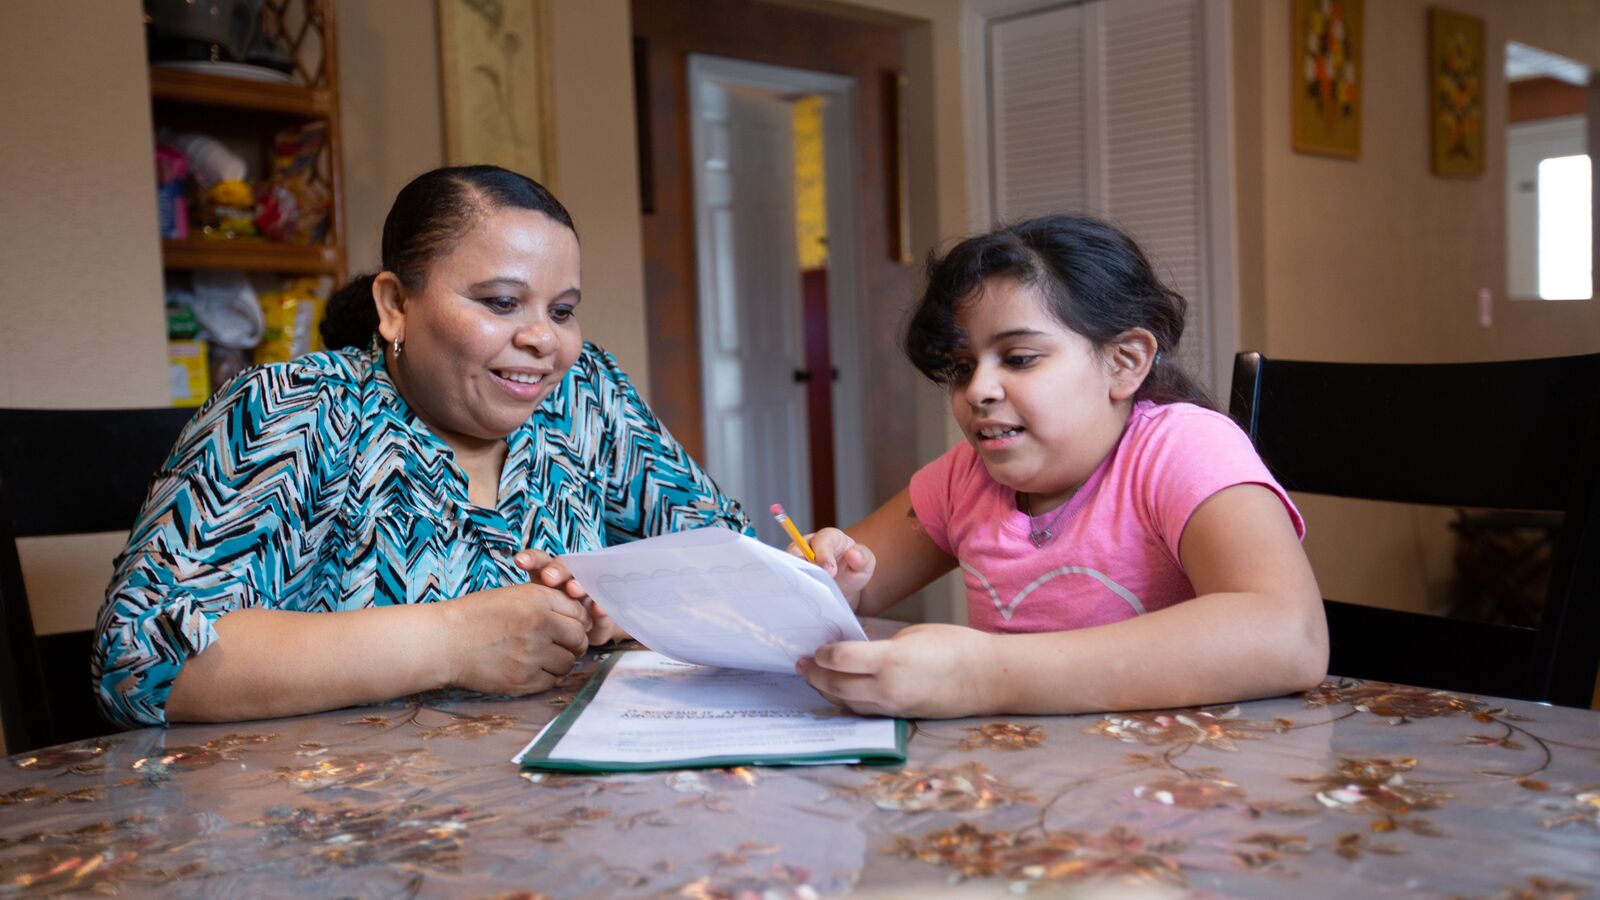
point(1040, 403)
point(492, 332)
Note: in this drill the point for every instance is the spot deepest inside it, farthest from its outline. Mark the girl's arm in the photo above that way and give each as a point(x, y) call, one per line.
point(1256, 629)
point(891, 533)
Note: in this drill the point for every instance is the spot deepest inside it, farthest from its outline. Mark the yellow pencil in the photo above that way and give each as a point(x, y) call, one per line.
point(799, 539)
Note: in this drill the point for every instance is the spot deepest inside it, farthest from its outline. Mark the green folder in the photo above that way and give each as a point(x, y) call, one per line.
point(663, 714)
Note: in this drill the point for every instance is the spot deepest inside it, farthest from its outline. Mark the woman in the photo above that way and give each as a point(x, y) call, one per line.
point(292, 553)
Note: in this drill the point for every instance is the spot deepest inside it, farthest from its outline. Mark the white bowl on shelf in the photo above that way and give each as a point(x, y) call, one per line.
point(243, 71)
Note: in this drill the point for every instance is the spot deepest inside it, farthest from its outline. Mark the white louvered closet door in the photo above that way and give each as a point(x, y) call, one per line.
point(1099, 107)
point(1037, 110)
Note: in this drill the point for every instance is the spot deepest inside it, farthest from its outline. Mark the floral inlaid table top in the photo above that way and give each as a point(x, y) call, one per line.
point(1352, 790)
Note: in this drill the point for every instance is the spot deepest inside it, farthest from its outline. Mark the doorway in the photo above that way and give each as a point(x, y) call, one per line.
point(733, 316)
point(777, 286)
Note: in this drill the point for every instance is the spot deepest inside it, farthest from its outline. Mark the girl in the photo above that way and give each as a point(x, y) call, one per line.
point(1122, 545)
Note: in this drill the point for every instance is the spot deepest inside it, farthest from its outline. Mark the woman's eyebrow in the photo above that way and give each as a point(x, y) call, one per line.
point(498, 282)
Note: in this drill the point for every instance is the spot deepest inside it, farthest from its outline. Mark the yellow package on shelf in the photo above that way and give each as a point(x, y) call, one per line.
point(292, 317)
point(187, 373)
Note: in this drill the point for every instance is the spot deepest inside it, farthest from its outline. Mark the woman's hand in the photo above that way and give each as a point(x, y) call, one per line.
point(850, 563)
point(923, 672)
point(552, 572)
point(514, 640)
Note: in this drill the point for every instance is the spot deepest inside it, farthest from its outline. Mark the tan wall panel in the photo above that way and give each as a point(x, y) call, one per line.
point(1377, 259)
point(597, 171)
point(80, 273)
point(389, 93)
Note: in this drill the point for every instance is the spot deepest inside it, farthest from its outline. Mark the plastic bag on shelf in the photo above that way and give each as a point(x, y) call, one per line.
point(225, 305)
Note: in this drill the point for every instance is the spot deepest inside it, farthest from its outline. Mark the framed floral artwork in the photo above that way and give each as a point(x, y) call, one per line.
point(1327, 86)
point(494, 77)
point(1455, 86)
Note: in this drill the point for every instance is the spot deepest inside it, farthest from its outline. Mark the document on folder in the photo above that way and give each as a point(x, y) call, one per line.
point(718, 598)
point(643, 711)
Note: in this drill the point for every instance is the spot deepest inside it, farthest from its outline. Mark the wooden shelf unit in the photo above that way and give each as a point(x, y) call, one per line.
point(203, 89)
point(252, 255)
point(191, 100)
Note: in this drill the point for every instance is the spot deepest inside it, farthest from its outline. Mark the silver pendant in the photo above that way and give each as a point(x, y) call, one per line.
point(1039, 538)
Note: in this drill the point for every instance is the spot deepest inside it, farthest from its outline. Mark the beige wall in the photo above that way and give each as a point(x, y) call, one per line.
point(597, 170)
point(80, 272)
point(389, 94)
point(1377, 259)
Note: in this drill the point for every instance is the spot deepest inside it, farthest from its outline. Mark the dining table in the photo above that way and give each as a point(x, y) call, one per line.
point(1352, 789)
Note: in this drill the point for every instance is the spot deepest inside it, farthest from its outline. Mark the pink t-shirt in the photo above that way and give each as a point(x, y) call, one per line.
point(1114, 553)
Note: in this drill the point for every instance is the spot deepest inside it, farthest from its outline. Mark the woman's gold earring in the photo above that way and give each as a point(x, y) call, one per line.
point(396, 346)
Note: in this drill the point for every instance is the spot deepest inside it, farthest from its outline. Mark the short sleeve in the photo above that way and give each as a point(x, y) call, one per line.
point(228, 523)
point(1187, 456)
point(932, 492)
point(652, 485)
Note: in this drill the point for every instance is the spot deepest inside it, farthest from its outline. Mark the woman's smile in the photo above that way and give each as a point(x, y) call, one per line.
point(522, 384)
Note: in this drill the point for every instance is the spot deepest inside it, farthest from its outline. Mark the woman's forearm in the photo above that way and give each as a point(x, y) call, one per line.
point(268, 663)
point(1212, 649)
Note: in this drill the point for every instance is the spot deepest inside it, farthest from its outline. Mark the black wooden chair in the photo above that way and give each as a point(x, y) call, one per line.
point(64, 472)
point(1518, 435)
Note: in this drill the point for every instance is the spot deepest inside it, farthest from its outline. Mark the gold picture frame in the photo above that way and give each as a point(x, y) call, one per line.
point(1327, 51)
point(1455, 89)
point(494, 78)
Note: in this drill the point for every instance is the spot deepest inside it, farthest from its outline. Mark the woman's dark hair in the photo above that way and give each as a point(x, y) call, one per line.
point(428, 217)
point(1095, 281)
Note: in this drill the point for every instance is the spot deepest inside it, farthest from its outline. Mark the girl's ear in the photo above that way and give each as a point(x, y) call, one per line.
point(391, 304)
point(1132, 355)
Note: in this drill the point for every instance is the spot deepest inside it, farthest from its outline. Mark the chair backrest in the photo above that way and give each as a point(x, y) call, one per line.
point(64, 472)
point(1521, 435)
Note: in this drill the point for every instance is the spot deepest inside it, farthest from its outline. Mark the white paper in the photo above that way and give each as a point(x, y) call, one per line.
point(718, 598)
point(653, 709)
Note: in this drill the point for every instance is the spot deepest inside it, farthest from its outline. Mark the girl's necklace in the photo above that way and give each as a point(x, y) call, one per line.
point(1041, 534)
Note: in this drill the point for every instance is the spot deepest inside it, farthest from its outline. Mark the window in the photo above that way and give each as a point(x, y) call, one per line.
point(1565, 222)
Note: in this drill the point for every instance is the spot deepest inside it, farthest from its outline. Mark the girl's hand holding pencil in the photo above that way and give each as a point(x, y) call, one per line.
point(851, 564)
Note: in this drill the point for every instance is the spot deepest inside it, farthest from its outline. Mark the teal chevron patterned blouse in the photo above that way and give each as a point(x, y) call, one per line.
point(310, 485)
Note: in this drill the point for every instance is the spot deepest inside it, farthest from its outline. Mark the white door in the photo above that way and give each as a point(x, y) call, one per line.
point(749, 287)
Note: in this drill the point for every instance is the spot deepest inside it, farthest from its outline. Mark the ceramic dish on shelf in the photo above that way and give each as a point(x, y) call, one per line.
point(227, 70)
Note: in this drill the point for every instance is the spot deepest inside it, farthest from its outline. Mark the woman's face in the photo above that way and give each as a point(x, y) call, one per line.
point(493, 330)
